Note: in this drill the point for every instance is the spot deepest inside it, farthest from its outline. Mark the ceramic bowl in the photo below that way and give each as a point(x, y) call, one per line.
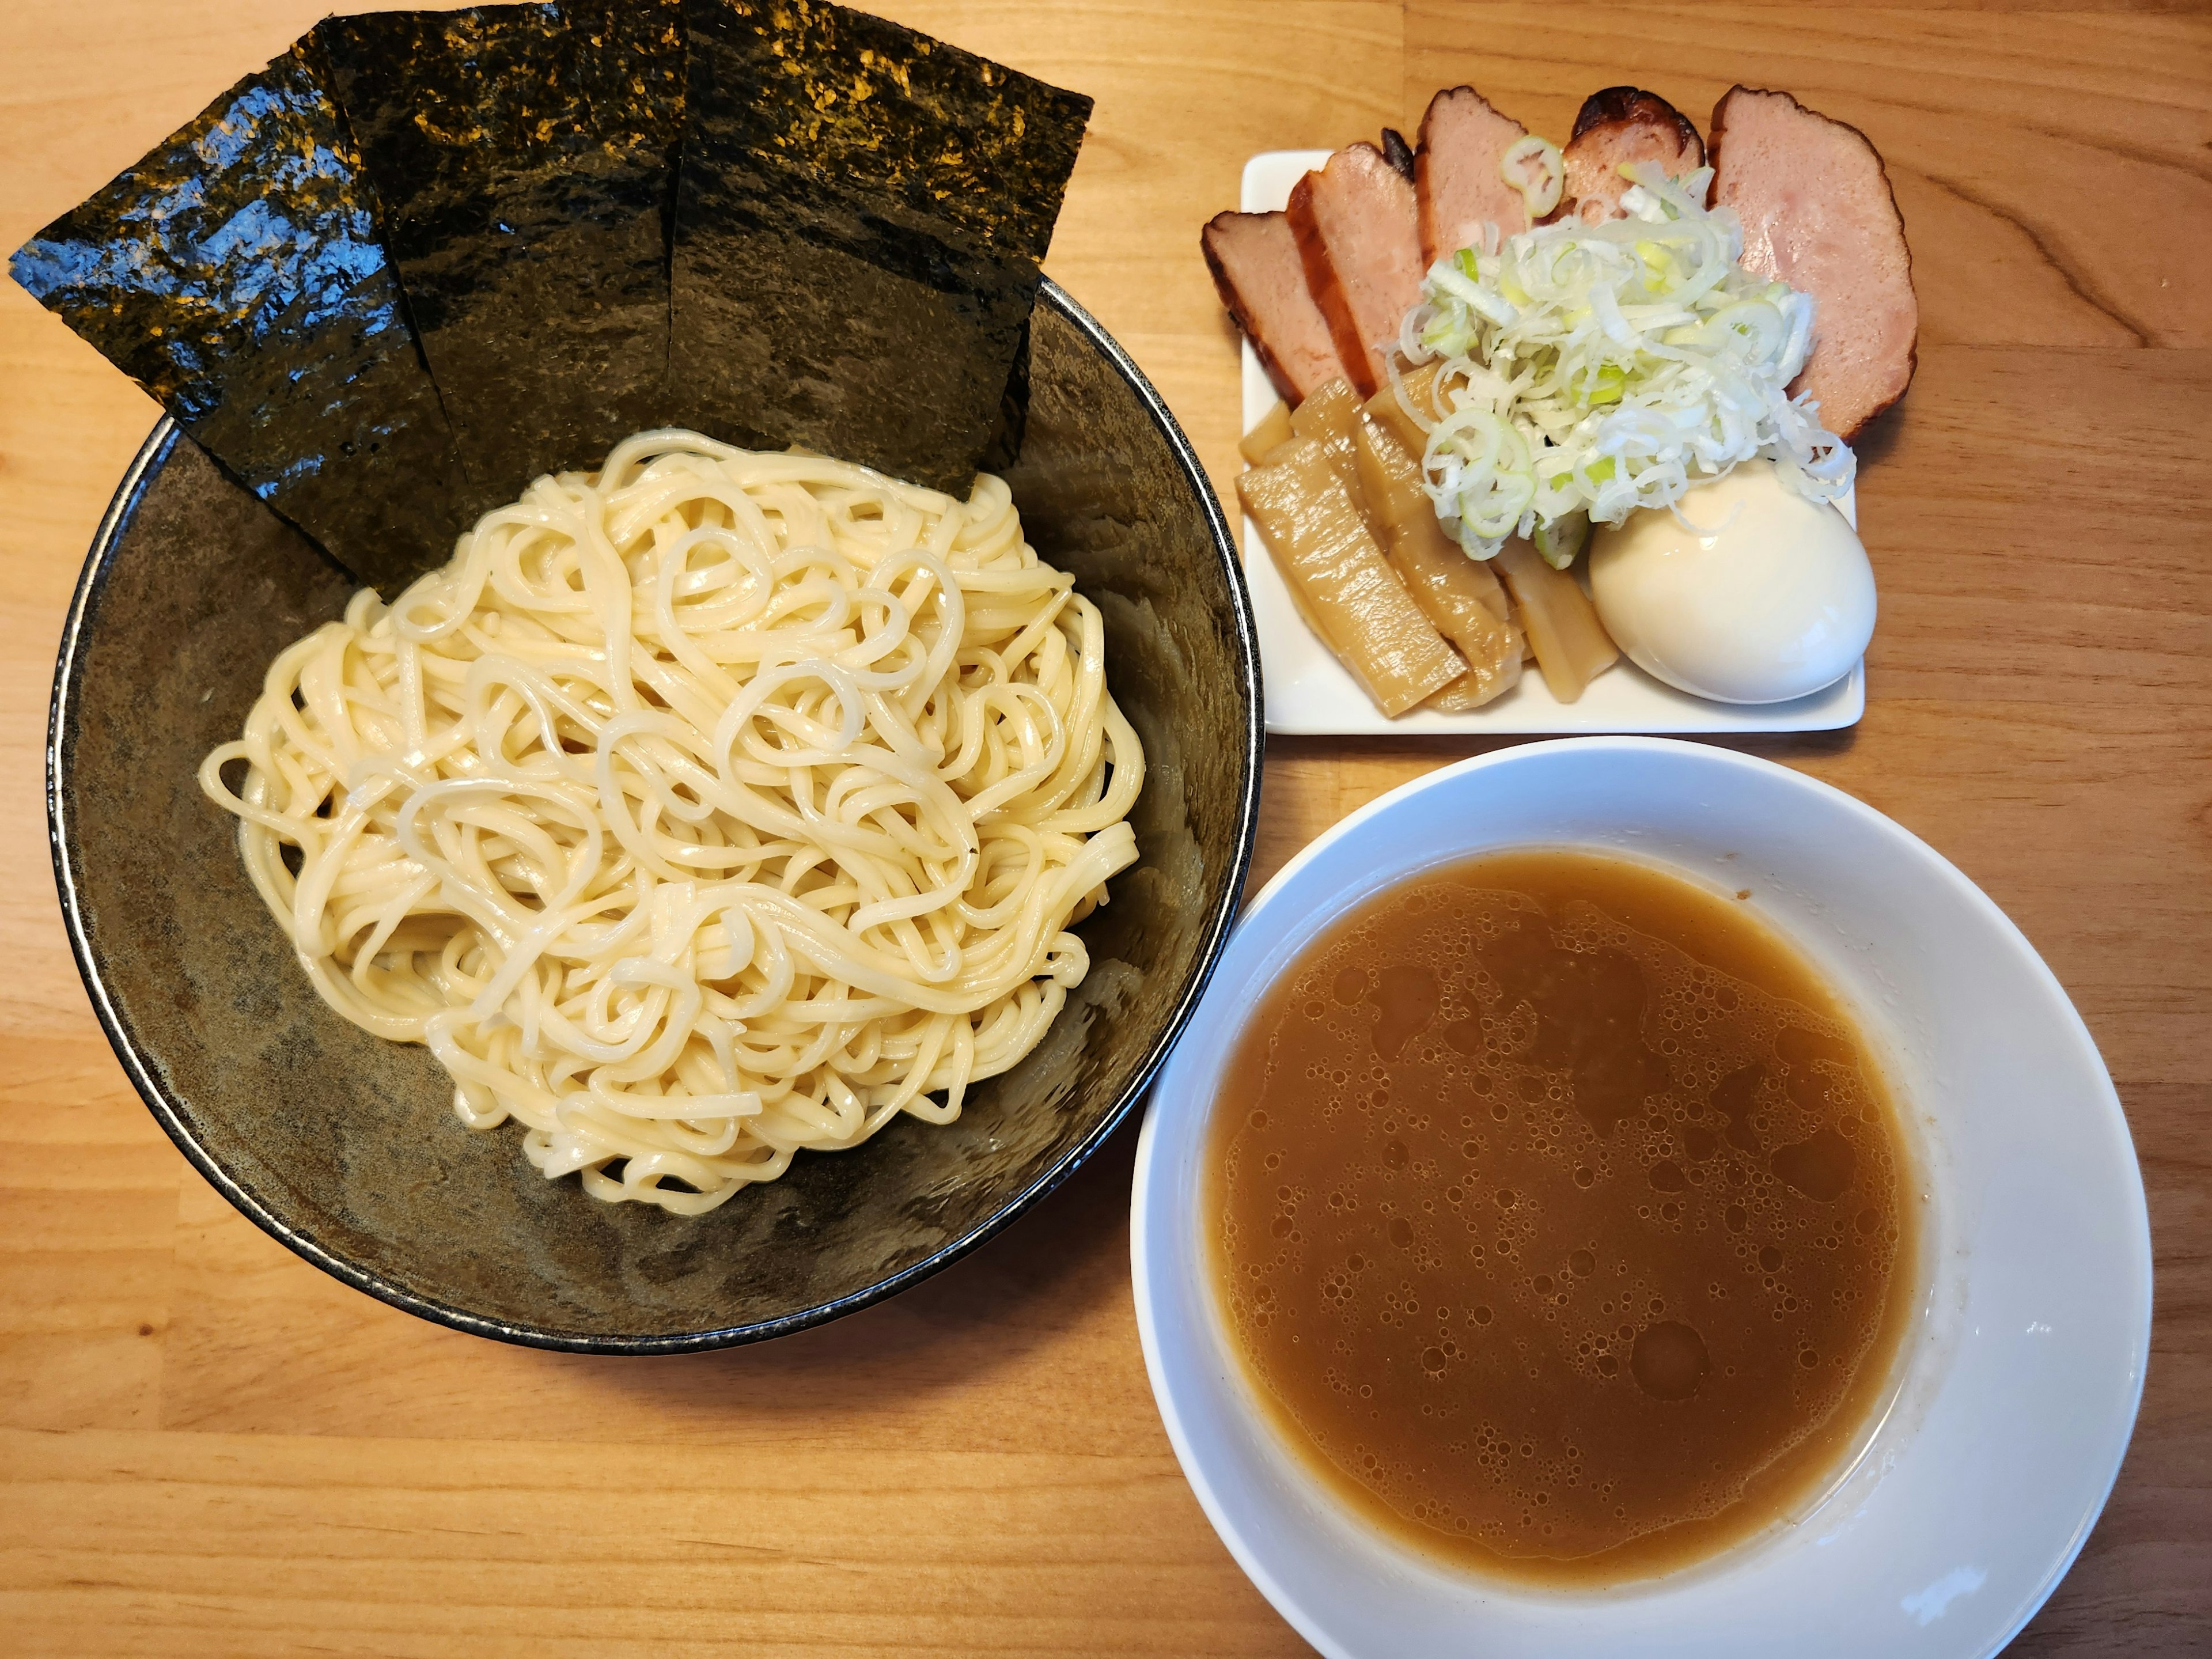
point(2018, 1386)
point(345, 1147)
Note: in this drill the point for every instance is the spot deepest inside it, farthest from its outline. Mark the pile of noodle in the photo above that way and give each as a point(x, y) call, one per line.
point(716, 806)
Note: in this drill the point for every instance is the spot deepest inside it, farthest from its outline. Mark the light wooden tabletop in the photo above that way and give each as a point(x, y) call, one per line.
point(209, 1447)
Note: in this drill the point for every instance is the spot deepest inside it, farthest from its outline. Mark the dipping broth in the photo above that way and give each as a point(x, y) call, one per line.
point(1564, 1221)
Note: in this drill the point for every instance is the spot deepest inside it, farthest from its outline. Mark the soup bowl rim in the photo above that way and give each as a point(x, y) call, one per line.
point(1257, 1503)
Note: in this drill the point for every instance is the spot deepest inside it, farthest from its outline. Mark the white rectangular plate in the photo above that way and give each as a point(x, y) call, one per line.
point(1310, 691)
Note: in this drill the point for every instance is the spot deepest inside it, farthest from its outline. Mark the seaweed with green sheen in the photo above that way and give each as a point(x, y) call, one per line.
point(860, 215)
point(236, 272)
point(525, 156)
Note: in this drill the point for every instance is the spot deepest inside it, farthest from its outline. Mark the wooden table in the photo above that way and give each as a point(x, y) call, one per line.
point(209, 1447)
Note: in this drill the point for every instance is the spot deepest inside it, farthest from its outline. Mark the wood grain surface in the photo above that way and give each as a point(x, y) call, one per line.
point(207, 1447)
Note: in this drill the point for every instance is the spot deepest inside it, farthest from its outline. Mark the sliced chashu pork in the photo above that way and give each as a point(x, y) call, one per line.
point(1356, 233)
point(1622, 124)
point(1261, 278)
point(1818, 213)
point(1457, 185)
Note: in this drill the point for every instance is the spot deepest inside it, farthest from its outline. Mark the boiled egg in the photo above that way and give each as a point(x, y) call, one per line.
point(1754, 594)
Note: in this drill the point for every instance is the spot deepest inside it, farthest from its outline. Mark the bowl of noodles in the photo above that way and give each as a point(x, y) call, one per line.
point(733, 889)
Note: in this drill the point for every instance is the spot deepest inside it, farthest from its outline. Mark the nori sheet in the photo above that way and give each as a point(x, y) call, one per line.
point(235, 272)
point(382, 342)
point(861, 215)
point(525, 157)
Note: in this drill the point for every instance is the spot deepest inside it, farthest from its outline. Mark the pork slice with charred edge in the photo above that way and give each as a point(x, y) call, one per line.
point(1261, 278)
point(1819, 214)
point(1622, 124)
point(1356, 233)
point(1457, 183)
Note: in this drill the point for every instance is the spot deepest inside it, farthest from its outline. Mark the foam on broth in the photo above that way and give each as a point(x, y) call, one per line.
point(1564, 1221)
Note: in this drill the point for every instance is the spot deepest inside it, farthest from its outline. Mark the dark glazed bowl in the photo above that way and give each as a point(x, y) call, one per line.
point(345, 1147)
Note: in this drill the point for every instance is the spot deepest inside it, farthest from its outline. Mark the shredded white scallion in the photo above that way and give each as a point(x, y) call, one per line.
point(1595, 369)
point(1534, 166)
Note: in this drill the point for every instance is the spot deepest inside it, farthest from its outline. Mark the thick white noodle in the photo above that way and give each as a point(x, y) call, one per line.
point(719, 805)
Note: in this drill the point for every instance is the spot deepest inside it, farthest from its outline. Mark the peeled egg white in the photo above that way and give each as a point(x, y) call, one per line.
point(1770, 598)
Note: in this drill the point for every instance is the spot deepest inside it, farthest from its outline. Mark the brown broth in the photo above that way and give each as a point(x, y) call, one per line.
point(1564, 1223)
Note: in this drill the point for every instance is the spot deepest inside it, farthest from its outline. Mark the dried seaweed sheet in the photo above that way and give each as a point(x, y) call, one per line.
point(861, 215)
point(235, 272)
point(525, 158)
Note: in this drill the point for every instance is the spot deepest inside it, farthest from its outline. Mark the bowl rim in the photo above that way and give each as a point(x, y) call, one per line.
point(1151, 1273)
point(177, 1123)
